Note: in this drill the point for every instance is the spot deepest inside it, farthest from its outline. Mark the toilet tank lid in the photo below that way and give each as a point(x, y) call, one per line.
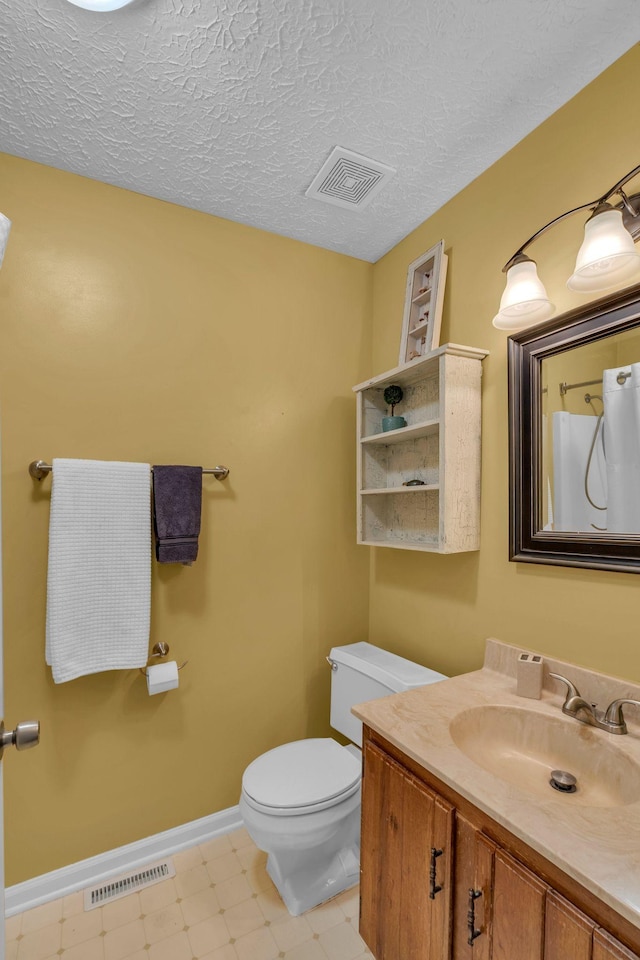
point(393, 671)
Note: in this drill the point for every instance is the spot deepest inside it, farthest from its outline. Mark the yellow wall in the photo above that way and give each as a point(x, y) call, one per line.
point(440, 609)
point(134, 329)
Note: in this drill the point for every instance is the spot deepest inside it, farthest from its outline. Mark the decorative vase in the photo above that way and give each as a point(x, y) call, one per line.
point(393, 423)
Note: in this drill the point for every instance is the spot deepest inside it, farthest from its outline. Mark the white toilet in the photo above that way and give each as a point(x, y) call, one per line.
point(301, 802)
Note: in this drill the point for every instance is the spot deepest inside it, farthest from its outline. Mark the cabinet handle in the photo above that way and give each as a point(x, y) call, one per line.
point(471, 915)
point(433, 888)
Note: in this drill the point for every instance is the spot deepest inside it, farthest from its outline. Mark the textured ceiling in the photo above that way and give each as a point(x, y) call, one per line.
point(231, 106)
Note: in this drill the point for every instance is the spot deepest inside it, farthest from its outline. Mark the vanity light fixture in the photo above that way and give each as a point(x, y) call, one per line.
point(5, 227)
point(606, 258)
point(101, 6)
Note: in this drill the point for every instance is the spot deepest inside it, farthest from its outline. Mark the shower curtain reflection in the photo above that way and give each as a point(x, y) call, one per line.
point(622, 440)
point(579, 473)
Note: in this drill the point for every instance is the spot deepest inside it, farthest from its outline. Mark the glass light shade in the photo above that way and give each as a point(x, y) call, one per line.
point(607, 255)
point(5, 227)
point(524, 301)
point(101, 6)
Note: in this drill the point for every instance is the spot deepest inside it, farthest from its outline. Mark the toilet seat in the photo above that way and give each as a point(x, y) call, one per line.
point(301, 777)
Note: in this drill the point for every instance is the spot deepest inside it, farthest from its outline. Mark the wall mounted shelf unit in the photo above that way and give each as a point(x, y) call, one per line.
point(439, 446)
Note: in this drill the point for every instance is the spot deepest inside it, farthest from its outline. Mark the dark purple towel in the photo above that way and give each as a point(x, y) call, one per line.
point(177, 501)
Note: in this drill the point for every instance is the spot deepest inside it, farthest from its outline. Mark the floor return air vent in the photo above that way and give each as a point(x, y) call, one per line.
point(126, 883)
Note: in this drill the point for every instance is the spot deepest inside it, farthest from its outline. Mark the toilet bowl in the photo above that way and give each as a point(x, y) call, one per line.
point(300, 802)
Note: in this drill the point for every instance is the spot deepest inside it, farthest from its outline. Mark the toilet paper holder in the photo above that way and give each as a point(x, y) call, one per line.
point(158, 651)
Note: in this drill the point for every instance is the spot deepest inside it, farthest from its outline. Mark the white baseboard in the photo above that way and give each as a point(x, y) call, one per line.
point(77, 876)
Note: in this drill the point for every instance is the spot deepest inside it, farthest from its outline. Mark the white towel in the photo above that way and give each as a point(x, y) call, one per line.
point(99, 580)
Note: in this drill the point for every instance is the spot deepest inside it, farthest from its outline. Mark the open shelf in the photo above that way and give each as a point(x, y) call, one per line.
point(422, 297)
point(416, 489)
point(402, 520)
point(404, 545)
point(404, 433)
point(419, 330)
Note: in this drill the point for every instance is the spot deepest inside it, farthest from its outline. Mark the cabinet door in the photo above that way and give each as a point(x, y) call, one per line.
point(380, 854)
point(406, 864)
point(606, 947)
point(568, 933)
point(473, 897)
point(518, 911)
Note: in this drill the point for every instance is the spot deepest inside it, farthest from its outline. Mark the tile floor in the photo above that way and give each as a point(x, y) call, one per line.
point(221, 905)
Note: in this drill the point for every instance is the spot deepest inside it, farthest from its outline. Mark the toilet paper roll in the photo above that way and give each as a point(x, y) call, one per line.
point(162, 676)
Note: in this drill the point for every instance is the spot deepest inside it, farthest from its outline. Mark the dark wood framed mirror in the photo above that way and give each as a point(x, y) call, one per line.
point(574, 437)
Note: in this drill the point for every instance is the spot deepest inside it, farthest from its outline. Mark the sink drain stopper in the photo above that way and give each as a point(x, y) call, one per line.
point(563, 781)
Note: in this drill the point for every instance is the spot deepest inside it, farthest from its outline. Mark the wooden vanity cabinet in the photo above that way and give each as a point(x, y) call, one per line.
point(417, 903)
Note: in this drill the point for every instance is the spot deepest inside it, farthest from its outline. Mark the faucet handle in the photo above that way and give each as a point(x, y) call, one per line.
point(572, 690)
point(614, 717)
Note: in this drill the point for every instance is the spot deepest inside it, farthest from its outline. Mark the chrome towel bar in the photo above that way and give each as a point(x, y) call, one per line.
point(39, 469)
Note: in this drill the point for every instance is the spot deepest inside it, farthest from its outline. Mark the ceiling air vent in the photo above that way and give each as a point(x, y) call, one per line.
point(349, 180)
point(127, 883)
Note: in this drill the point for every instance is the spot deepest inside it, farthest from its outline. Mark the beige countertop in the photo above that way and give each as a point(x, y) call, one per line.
point(598, 846)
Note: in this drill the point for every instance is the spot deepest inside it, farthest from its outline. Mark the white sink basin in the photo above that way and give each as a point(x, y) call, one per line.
point(523, 746)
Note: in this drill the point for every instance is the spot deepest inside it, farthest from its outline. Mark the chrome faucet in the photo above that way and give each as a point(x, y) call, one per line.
point(611, 719)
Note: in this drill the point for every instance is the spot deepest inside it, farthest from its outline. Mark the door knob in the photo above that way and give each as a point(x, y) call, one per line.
point(25, 735)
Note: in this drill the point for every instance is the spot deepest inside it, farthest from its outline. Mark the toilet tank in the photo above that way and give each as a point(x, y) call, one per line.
point(360, 672)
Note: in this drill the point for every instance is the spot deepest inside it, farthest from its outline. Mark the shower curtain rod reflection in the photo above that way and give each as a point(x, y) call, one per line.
point(39, 469)
point(564, 387)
